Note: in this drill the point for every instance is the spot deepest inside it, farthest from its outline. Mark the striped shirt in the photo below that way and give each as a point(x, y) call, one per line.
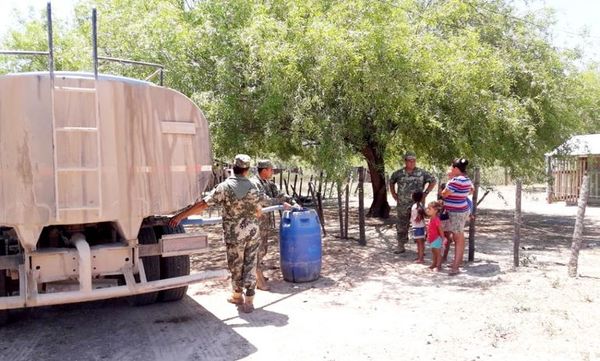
point(459, 188)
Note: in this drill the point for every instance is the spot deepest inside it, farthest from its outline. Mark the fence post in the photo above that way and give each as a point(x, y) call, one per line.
point(340, 208)
point(578, 231)
point(362, 240)
point(281, 179)
point(321, 215)
point(476, 177)
point(549, 179)
point(517, 235)
point(346, 215)
point(295, 180)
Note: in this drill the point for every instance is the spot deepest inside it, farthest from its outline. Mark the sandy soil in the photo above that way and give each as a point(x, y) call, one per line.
point(369, 304)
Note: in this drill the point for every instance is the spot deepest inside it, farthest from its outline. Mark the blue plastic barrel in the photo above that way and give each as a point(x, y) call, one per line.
point(300, 245)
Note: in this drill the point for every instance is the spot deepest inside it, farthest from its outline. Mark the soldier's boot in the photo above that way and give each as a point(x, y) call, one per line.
point(401, 248)
point(236, 298)
point(261, 281)
point(248, 305)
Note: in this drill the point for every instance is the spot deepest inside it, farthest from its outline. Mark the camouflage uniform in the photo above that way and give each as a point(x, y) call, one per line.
point(407, 183)
point(278, 197)
point(241, 202)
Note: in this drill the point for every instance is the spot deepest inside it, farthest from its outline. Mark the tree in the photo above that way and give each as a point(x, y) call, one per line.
point(332, 80)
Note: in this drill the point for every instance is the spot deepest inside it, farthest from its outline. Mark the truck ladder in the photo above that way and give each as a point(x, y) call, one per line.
point(77, 151)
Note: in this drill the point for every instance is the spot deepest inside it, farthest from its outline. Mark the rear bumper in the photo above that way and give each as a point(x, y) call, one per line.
point(34, 299)
point(86, 266)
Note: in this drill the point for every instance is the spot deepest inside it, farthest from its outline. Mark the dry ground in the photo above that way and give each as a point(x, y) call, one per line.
point(369, 304)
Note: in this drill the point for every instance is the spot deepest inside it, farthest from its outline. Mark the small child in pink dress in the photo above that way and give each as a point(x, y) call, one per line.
point(435, 234)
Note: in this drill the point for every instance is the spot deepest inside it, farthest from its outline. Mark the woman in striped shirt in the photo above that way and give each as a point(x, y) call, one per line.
point(455, 202)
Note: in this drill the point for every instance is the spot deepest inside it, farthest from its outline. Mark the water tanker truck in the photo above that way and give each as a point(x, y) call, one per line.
point(90, 165)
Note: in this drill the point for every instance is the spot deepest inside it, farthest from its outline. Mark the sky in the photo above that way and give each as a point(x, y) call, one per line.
point(573, 17)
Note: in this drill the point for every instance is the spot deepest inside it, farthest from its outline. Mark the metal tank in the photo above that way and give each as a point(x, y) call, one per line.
point(90, 166)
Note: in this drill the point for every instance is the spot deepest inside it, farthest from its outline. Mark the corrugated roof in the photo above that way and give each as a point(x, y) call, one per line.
point(587, 144)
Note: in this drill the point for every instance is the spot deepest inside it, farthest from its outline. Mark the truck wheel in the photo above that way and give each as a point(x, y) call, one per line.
point(151, 266)
point(173, 267)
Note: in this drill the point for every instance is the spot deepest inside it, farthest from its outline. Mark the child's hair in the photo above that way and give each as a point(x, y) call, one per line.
point(460, 163)
point(417, 196)
point(437, 205)
point(440, 190)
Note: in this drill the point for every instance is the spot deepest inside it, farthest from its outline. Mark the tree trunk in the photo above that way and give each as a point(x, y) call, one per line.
point(379, 207)
point(578, 232)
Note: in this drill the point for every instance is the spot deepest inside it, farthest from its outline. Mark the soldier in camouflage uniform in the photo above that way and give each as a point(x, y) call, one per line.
point(403, 183)
point(262, 180)
point(241, 201)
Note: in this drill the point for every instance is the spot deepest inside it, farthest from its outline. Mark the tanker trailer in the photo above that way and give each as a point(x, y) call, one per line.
point(88, 165)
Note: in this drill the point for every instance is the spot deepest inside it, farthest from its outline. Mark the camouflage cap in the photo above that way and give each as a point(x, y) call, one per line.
point(242, 161)
point(264, 163)
point(410, 156)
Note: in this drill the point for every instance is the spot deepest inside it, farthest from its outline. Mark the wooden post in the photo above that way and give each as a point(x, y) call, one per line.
point(517, 235)
point(311, 190)
point(340, 208)
point(295, 180)
point(549, 180)
point(362, 240)
point(352, 180)
point(476, 176)
point(346, 216)
point(281, 179)
point(287, 189)
point(577, 233)
point(320, 189)
point(294, 194)
point(321, 215)
point(300, 190)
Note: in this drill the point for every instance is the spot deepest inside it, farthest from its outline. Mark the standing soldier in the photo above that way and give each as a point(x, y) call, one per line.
point(262, 180)
point(241, 202)
point(408, 179)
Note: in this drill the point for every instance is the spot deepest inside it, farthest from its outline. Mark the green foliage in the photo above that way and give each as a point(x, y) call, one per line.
point(329, 80)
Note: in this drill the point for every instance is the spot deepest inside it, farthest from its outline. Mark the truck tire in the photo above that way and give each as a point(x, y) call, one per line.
point(151, 267)
point(172, 267)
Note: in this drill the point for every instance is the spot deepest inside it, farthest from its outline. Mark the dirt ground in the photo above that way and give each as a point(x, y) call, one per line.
point(369, 303)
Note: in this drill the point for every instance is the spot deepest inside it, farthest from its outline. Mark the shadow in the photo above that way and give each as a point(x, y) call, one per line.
point(260, 318)
point(346, 264)
point(485, 269)
point(112, 330)
point(279, 285)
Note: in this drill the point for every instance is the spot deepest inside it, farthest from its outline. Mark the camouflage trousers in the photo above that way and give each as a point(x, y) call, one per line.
point(265, 232)
point(241, 261)
point(403, 224)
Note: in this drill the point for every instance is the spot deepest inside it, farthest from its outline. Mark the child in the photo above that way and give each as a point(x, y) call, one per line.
point(435, 234)
point(417, 221)
point(444, 217)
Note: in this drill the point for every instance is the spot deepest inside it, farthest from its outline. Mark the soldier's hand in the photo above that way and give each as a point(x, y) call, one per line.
point(287, 206)
point(175, 220)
